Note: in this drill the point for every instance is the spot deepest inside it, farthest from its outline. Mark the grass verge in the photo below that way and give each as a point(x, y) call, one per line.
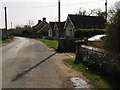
point(6, 41)
point(50, 43)
point(96, 80)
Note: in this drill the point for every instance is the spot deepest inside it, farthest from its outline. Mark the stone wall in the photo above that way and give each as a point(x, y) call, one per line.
point(100, 60)
point(67, 45)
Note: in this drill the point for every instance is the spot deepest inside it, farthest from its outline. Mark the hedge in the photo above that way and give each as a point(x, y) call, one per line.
point(81, 33)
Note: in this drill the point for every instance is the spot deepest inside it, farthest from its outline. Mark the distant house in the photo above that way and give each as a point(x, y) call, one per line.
point(51, 32)
point(41, 28)
point(75, 22)
point(39, 21)
point(62, 30)
point(2, 34)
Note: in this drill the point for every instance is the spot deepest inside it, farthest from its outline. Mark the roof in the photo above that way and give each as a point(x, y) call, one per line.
point(42, 25)
point(80, 21)
point(52, 25)
point(39, 21)
point(61, 24)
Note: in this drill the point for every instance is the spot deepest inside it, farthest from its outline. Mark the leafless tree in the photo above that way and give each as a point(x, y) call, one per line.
point(91, 12)
point(30, 23)
point(113, 10)
point(82, 12)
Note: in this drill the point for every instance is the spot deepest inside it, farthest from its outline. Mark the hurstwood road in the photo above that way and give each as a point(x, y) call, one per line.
point(27, 63)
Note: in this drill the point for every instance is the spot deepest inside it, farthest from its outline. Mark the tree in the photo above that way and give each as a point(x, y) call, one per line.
point(18, 30)
point(82, 12)
point(92, 12)
point(30, 23)
point(112, 11)
point(25, 30)
point(113, 40)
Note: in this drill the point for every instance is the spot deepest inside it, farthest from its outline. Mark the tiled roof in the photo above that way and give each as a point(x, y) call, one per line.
point(61, 24)
point(52, 25)
point(39, 21)
point(43, 25)
point(80, 21)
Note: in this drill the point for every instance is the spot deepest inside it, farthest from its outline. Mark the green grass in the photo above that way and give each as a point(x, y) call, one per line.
point(96, 80)
point(50, 43)
point(6, 41)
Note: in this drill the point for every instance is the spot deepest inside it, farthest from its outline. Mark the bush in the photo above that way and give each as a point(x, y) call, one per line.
point(81, 33)
point(25, 31)
point(113, 41)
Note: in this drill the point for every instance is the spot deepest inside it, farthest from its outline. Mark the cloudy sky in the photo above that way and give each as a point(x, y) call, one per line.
point(21, 11)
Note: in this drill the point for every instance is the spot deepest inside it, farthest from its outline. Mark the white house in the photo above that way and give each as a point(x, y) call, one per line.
point(62, 30)
point(51, 32)
point(75, 22)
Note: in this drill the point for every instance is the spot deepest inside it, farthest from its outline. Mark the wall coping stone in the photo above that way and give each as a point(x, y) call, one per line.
point(93, 48)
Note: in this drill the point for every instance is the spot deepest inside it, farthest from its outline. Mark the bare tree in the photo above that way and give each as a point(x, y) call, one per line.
point(112, 11)
point(93, 12)
point(30, 23)
point(96, 12)
point(82, 12)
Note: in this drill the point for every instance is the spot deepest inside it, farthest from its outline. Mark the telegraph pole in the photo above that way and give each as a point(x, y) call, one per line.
point(11, 29)
point(11, 25)
point(59, 11)
point(106, 9)
point(59, 31)
point(5, 21)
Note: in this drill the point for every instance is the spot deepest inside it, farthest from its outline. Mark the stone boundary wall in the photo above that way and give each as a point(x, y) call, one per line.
point(100, 60)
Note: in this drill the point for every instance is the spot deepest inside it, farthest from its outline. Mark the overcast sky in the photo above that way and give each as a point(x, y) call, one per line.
point(21, 11)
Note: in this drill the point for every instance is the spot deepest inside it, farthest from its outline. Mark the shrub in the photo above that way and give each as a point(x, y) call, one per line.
point(81, 33)
point(113, 41)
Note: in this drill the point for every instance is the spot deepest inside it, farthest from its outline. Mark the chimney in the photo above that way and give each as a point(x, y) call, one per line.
point(39, 21)
point(44, 19)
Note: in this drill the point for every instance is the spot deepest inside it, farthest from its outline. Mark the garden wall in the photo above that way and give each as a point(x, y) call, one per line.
point(100, 60)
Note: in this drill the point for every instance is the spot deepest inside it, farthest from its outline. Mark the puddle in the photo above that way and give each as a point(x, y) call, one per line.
point(79, 83)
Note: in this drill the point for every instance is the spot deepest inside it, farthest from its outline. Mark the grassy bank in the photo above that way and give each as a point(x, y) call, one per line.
point(6, 41)
point(50, 43)
point(96, 80)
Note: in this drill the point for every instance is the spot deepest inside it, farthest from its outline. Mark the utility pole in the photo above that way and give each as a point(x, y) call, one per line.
point(11, 29)
point(11, 25)
point(59, 29)
point(5, 21)
point(106, 9)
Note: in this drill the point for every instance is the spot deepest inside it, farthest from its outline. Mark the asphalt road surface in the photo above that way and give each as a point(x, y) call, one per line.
point(27, 63)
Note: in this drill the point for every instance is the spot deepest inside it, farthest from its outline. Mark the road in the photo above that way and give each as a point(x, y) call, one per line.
point(27, 63)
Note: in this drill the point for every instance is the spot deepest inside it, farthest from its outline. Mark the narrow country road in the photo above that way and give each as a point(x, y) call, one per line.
point(27, 63)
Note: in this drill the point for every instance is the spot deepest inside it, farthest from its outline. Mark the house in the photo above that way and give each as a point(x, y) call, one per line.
point(39, 21)
point(75, 22)
point(51, 32)
point(2, 33)
point(62, 30)
point(41, 28)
